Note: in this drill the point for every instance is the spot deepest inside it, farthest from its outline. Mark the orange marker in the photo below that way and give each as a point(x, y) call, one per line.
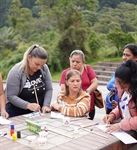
point(11, 131)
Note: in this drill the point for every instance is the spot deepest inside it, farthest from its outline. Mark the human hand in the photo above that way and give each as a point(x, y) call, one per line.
point(108, 118)
point(55, 106)
point(60, 95)
point(45, 109)
point(33, 106)
point(113, 127)
point(114, 104)
point(4, 114)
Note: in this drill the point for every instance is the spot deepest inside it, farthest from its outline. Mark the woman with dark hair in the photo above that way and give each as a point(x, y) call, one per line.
point(89, 79)
point(126, 80)
point(29, 84)
point(72, 101)
point(129, 53)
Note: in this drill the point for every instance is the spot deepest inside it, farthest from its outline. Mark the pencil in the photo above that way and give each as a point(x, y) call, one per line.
point(36, 95)
point(36, 98)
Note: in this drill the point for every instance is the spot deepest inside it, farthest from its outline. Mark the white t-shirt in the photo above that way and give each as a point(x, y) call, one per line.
point(124, 105)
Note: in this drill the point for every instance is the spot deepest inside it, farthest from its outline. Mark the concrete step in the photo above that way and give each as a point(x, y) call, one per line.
point(102, 82)
point(103, 78)
point(105, 73)
point(110, 64)
point(104, 70)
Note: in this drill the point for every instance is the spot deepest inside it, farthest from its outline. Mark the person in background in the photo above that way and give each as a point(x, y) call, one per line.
point(4, 114)
point(29, 84)
point(126, 80)
point(89, 80)
point(72, 101)
point(129, 53)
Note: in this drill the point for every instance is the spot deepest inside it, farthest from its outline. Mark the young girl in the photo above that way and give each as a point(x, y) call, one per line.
point(126, 80)
point(72, 101)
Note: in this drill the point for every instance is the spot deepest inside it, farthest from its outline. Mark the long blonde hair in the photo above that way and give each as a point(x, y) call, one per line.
point(34, 51)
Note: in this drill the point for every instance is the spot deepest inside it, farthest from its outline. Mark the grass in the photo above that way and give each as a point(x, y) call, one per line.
point(56, 76)
point(117, 59)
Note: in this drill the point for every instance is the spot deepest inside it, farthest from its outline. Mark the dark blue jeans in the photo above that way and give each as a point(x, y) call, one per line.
point(15, 111)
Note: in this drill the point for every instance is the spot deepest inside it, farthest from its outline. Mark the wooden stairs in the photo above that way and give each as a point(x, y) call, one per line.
point(104, 70)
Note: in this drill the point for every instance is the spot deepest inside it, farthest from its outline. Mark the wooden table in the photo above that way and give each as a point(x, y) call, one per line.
point(63, 137)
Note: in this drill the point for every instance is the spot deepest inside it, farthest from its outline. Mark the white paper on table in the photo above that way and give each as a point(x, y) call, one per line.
point(33, 115)
point(121, 135)
point(56, 115)
point(124, 137)
point(4, 121)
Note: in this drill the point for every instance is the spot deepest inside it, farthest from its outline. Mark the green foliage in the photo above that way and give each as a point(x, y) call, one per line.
point(28, 3)
point(108, 51)
point(105, 23)
point(9, 62)
point(4, 6)
point(127, 17)
point(11, 58)
point(64, 25)
point(73, 38)
point(66, 13)
point(7, 40)
point(94, 43)
point(69, 20)
point(20, 18)
point(14, 11)
point(131, 1)
point(35, 11)
point(56, 76)
point(5, 34)
point(122, 17)
point(109, 3)
point(120, 39)
point(52, 49)
point(114, 3)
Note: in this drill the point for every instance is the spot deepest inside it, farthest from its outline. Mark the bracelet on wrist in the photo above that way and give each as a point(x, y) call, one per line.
point(87, 91)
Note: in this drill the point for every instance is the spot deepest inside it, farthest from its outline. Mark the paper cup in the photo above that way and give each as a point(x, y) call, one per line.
point(41, 142)
point(43, 134)
point(66, 121)
point(31, 140)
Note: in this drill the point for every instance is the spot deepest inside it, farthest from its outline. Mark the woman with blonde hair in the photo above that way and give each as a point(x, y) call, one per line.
point(29, 84)
point(73, 101)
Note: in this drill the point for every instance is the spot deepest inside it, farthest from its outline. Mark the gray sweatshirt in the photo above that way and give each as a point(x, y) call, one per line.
point(15, 82)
